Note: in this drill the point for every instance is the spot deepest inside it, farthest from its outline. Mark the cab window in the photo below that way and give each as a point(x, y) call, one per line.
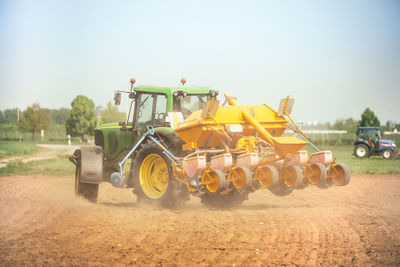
point(144, 112)
point(151, 110)
point(160, 110)
point(189, 103)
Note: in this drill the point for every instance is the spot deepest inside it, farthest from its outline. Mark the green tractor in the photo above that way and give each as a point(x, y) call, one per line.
point(146, 167)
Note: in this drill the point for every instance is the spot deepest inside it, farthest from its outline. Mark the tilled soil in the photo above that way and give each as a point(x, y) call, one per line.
point(41, 223)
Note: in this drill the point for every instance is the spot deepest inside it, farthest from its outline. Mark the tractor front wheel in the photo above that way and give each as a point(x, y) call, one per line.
point(387, 154)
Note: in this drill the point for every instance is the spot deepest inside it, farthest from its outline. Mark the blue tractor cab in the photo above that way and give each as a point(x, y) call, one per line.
point(370, 143)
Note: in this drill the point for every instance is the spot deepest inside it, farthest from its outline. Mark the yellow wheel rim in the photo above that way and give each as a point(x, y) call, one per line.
point(290, 176)
point(238, 178)
point(212, 182)
point(315, 175)
point(265, 176)
point(338, 175)
point(154, 176)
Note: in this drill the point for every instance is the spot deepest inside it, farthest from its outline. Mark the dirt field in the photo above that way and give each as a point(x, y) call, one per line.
point(41, 223)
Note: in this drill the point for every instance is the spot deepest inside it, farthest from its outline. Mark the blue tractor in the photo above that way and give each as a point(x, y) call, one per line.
point(370, 143)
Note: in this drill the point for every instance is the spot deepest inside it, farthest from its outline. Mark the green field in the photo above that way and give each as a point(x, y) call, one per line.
point(60, 166)
point(55, 134)
point(14, 148)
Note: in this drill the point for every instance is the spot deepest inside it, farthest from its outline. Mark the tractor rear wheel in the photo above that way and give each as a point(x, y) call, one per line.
point(152, 177)
point(85, 190)
point(361, 151)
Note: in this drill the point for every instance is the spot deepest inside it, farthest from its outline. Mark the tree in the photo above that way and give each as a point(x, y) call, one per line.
point(2, 118)
point(33, 119)
point(368, 118)
point(10, 115)
point(82, 119)
point(112, 114)
point(59, 116)
point(350, 125)
point(395, 125)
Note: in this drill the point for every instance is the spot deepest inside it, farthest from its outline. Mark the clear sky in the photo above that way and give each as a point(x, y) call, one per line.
point(334, 57)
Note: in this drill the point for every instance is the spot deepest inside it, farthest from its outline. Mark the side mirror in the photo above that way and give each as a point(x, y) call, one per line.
point(117, 98)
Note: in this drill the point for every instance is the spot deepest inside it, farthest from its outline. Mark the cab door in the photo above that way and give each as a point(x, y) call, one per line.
point(151, 110)
point(373, 138)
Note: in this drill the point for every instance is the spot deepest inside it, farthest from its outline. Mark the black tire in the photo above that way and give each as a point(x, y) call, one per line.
point(224, 201)
point(174, 195)
point(387, 154)
point(361, 151)
point(85, 190)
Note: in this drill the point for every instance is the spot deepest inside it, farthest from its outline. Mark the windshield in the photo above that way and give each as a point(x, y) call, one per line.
point(189, 103)
point(370, 133)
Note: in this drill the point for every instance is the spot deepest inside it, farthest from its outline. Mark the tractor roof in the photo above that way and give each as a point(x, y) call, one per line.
point(172, 89)
point(369, 128)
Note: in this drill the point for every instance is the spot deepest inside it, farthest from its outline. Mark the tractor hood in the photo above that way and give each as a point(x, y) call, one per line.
point(107, 125)
point(387, 143)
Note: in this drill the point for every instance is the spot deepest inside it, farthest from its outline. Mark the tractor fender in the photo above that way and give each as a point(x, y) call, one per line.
point(357, 142)
point(91, 164)
point(171, 137)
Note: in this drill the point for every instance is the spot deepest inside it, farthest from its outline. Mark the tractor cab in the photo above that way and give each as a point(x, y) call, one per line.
point(370, 143)
point(371, 134)
point(153, 104)
point(149, 106)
